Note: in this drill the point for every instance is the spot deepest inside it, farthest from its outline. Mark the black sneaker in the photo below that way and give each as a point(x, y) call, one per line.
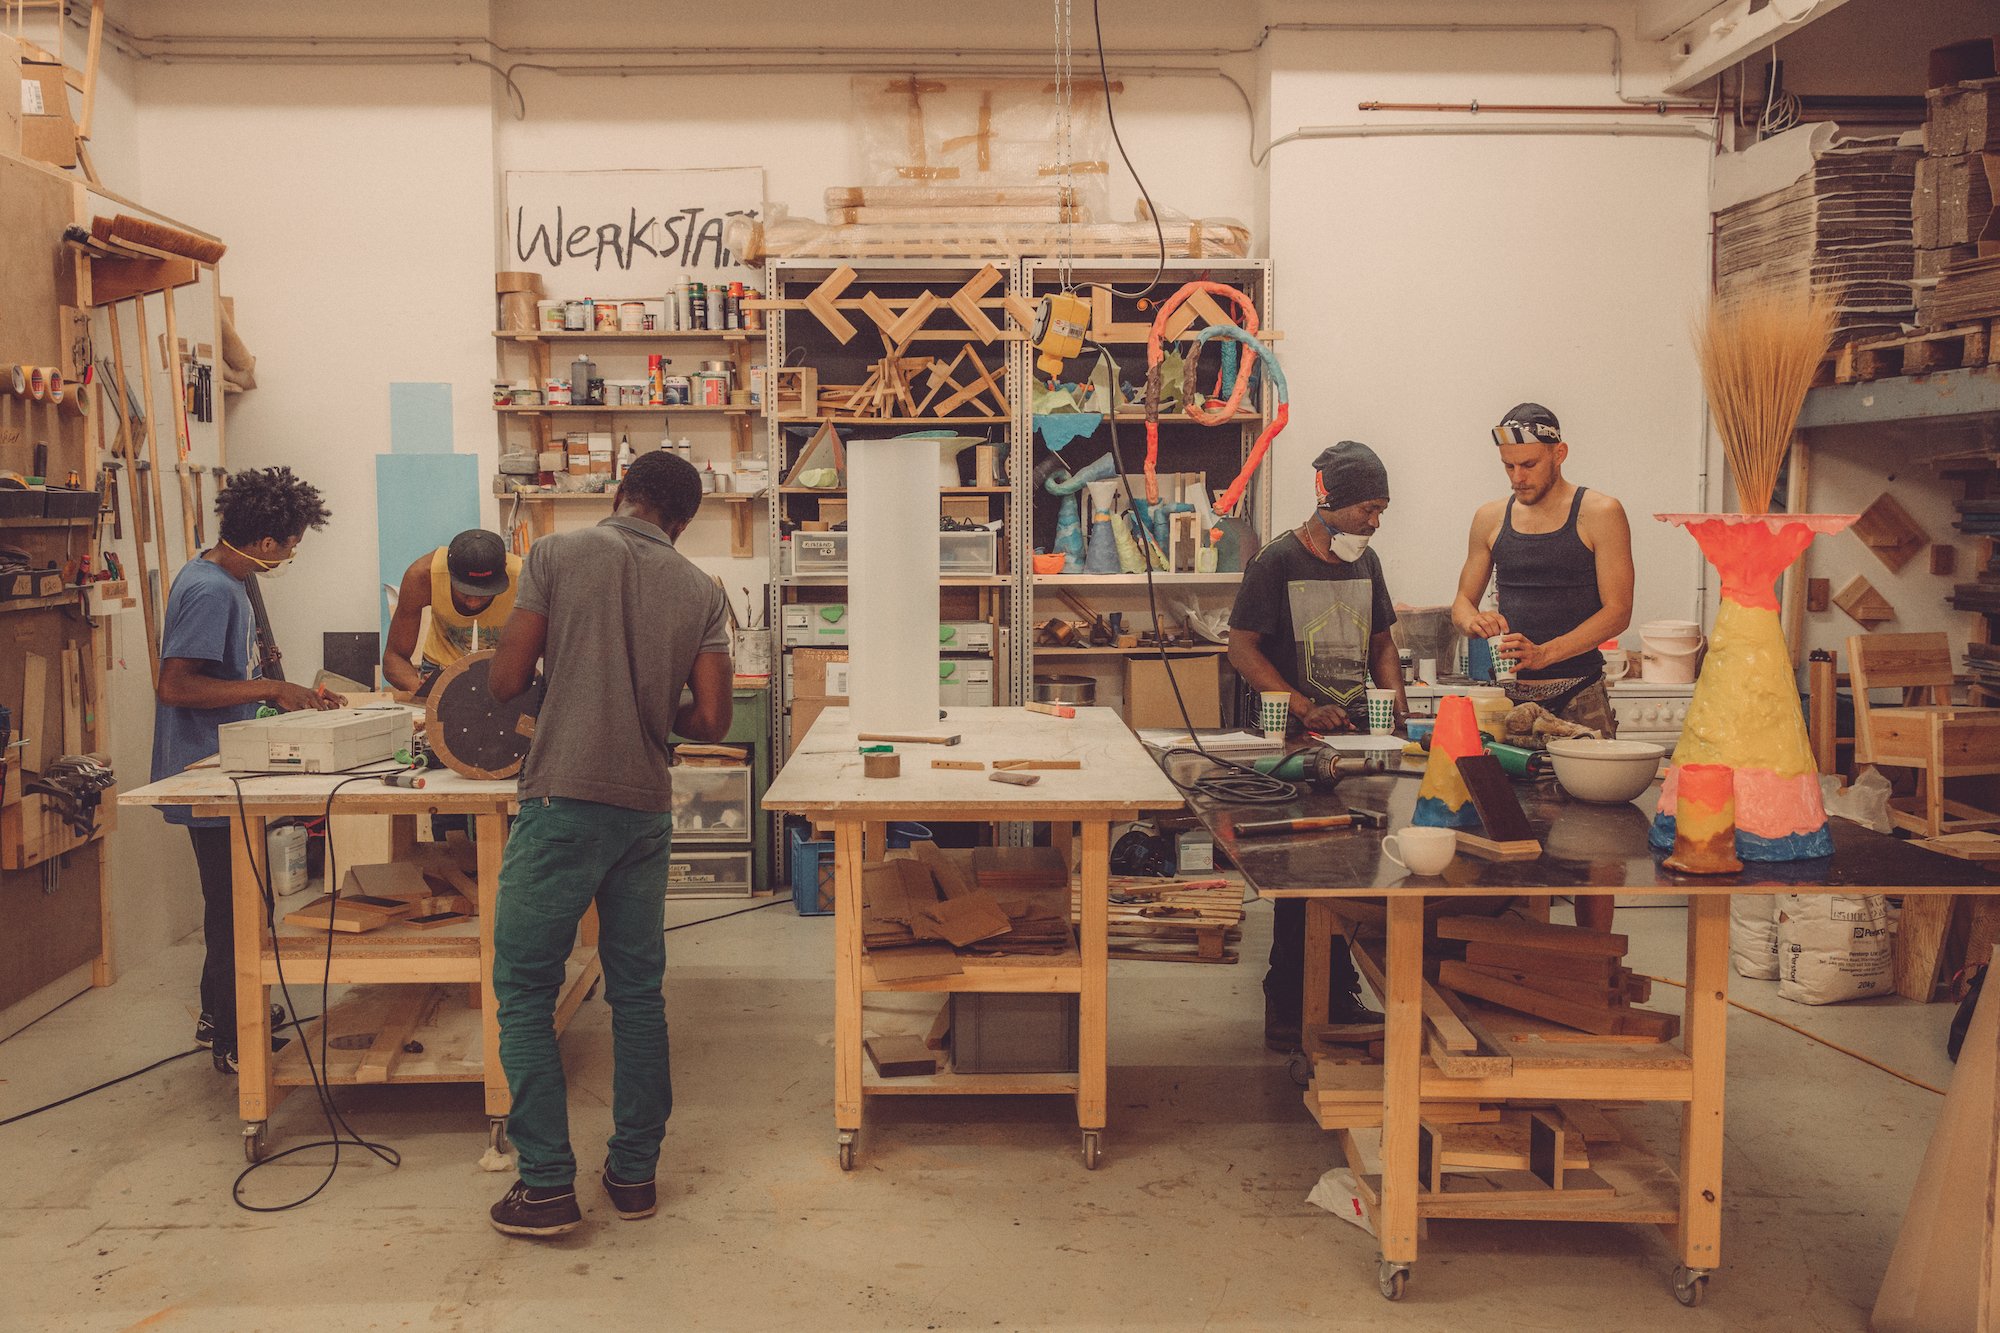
point(1281, 1026)
point(204, 1026)
point(1348, 1007)
point(529, 1210)
point(632, 1201)
point(225, 1057)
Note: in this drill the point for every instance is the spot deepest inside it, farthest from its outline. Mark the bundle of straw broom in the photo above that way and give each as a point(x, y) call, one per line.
point(1759, 353)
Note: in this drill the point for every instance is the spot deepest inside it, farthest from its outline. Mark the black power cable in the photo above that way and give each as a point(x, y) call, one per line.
point(1111, 116)
point(1237, 783)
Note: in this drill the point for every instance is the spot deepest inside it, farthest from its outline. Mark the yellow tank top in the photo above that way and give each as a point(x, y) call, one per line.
point(451, 634)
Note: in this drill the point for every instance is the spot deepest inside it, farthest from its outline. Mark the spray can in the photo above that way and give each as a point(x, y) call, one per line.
point(697, 306)
point(656, 381)
point(732, 309)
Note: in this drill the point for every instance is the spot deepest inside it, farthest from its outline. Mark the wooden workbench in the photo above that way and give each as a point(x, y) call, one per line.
point(435, 986)
point(1117, 780)
point(1590, 849)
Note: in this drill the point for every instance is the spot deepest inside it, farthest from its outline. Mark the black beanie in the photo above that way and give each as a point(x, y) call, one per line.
point(1350, 474)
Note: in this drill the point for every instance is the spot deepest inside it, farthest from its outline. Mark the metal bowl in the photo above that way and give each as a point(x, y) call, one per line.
point(1078, 690)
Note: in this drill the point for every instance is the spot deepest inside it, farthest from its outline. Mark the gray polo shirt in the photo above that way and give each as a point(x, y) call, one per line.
point(627, 615)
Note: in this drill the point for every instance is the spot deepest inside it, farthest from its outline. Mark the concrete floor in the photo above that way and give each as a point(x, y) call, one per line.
point(962, 1213)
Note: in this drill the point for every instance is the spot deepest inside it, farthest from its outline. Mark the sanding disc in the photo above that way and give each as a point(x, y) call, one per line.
point(474, 733)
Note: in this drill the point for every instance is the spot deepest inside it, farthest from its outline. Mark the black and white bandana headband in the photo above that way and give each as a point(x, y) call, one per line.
point(1514, 431)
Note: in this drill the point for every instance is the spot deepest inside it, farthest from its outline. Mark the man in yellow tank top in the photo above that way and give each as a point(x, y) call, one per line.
point(469, 588)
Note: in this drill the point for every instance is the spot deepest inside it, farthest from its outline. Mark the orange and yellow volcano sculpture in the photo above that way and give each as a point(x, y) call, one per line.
point(1745, 713)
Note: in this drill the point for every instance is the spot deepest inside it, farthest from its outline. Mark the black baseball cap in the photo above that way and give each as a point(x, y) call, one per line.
point(477, 560)
point(1528, 423)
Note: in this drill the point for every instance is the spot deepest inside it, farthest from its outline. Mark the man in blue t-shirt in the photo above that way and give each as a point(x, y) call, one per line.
point(210, 673)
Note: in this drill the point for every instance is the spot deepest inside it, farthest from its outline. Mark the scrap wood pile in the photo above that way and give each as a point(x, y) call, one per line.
point(1171, 920)
point(973, 223)
point(920, 912)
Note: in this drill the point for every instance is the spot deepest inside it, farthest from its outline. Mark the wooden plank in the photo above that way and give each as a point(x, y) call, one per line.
point(1584, 1017)
point(74, 723)
point(1533, 935)
point(1920, 940)
point(33, 725)
point(1584, 992)
point(1701, 1120)
point(1542, 962)
point(1402, 1005)
point(397, 1026)
point(820, 302)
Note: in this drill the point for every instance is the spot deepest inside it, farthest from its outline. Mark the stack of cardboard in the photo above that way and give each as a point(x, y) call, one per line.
point(1956, 275)
point(1843, 226)
point(920, 910)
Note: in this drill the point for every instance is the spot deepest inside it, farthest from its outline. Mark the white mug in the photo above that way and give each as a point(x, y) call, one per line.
point(1429, 849)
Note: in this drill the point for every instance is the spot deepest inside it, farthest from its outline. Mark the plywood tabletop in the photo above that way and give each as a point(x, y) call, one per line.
point(1118, 775)
point(212, 787)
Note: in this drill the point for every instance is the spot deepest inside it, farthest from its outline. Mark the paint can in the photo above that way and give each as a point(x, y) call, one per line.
point(697, 306)
point(683, 304)
point(556, 392)
point(576, 316)
point(550, 316)
point(753, 319)
point(631, 316)
point(712, 390)
point(606, 314)
point(675, 390)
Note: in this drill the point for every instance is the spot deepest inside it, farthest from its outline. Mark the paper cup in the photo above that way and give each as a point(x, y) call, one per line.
point(1504, 666)
point(1274, 712)
point(1381, 712)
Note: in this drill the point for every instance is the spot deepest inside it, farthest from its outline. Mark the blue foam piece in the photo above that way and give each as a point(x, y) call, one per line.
point(420, 418)
point(1754, 847)
point(422, 501)
point(1060, 429)
point(1433, 813)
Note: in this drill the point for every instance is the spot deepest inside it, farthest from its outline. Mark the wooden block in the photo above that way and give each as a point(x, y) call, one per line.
point(397, 1026)
point(1567, 988)
point(1887, 529)
point(349, 917)
point(1546, 1141)
point(881, 765)
point(1023, 765)
point(939, 1037)
point(1819, 594)
point(1599, 1019)
point(33, 725)
point(820, 302)
point(432, 920)
point(1050, 710)
point(1488, 850)
point(1015, 779)
point(1919, 951)
point(1542, 962)
point(901, 330)
point(1649, 1023)
point(1867, 607)
point(1021, 311)
point(967, 765)
point(1944, 559)
point(1588, 1121)
point(900, 1056)
point(1533, 935)
point(1493, 796)
point(965, 303)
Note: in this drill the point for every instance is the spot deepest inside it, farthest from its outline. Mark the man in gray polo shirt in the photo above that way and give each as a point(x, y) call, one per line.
point(621, 621)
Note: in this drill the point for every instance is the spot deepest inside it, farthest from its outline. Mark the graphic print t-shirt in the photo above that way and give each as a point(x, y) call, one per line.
point(1315, 617)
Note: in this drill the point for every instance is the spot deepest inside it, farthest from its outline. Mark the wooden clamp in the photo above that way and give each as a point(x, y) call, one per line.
point(1020, 765)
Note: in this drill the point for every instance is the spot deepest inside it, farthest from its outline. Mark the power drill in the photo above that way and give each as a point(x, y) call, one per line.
point(1314, 765)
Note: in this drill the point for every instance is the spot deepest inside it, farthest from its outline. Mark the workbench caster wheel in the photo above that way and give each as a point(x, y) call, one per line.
point(496, 1135)
point(844, 1149)
point(1690, 1285)
point(1298, 1067)
point(1093, 1148)
point(1391, 1278)
point(255, 1147)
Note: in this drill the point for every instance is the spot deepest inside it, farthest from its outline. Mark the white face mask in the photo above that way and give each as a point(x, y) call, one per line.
point(1347, 546)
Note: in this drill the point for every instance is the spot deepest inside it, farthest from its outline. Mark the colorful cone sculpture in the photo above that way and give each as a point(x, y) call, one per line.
point(1745, 713)
point(1705, 821)
point(1444, 801)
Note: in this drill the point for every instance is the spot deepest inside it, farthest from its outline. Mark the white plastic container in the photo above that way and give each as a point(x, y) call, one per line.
point(1671, 651)
point(287, 851)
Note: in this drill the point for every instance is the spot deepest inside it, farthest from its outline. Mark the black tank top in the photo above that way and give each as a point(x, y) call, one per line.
point(1548, 586)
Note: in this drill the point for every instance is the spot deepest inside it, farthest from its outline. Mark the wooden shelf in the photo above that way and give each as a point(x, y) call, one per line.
point(1114, 580)
point(657, 335)
point(949, 1083)
point(1050, 974)
point(900, 421)
point(949, 581)
point(66, 598)
point(557, 497)
point(632, 410)
point(48, 522)
point(942, 490)
point(1204, 650)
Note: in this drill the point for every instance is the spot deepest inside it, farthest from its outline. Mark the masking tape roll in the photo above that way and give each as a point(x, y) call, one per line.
point(20, 378)
point(56, 386)
point(79, 399)
point(38, 383)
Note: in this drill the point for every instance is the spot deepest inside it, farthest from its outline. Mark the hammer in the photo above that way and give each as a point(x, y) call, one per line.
point(1354, 818)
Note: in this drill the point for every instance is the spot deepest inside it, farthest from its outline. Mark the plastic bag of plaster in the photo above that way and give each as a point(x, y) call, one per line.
point(1753, 935)
point(1337, 1193)
point(1865, 801)
point(1833, 947)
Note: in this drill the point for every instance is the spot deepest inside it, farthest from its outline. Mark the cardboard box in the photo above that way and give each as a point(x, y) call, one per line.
point(47, 132)
point(1953, 201)
point(10, 96)
point(806, 711)
point(1964, 119)
point(810, 668)
point(1149, 697)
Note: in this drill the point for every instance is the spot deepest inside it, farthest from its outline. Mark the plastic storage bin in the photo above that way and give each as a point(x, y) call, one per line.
point(965, 682)
point(997, 1033)
point(710, 875)
point(712, 804)
point(811, 863)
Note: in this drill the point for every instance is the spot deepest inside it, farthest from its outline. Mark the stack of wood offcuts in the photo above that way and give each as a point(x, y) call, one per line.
point(1504, 995)
point(420, 896)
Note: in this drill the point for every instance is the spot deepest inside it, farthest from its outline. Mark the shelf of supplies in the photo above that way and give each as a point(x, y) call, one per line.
point(949, 581)
point(900, 421)
point(67, 598)
point(632, 410)
point(655, 335)
point(1128, 580)
point(48, 522)
point(1966, 392)
point(547, 497)
point(942, 490)
point(1201, 650)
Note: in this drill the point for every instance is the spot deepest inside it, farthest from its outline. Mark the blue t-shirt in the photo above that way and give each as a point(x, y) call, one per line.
point(209, 620)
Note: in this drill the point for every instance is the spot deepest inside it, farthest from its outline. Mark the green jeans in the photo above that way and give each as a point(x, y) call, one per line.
point(563, 855)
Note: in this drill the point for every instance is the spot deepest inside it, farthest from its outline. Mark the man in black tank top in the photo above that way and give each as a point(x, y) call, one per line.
point(1561, 557)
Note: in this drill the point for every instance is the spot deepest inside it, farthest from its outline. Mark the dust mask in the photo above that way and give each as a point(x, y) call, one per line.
point(1347, 546)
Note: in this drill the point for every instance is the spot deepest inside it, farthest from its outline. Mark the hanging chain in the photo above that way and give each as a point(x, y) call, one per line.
point(1065, 148)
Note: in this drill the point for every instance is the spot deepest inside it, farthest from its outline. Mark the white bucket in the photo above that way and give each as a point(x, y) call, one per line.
point(1671, 651)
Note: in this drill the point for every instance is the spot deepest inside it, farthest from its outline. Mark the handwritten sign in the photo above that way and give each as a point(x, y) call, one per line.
point(627, 232)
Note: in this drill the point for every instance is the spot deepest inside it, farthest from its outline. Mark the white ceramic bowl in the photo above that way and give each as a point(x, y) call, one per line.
point(1605, 771)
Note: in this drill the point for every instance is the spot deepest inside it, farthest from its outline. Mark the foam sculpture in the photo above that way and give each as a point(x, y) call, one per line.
point(1101, 555)
point(1745, 714)
point(1705, 821)
point(1130, 559)
point(1443, 799)
point(1064, 485)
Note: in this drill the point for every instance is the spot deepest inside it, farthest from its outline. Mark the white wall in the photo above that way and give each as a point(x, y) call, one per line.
point(1428, 284)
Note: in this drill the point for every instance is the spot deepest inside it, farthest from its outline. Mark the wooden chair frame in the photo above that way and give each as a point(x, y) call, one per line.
point(1928, 732)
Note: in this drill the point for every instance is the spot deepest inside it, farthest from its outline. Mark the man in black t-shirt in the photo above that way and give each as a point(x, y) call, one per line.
point(1312, 618)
